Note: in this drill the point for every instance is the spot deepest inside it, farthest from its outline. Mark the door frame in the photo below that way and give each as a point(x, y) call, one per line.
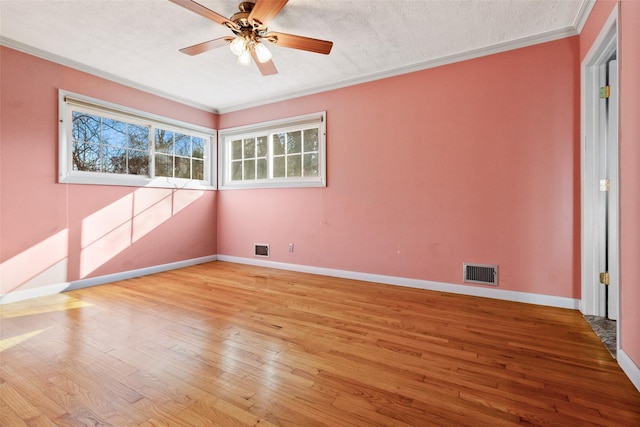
point(593, 295)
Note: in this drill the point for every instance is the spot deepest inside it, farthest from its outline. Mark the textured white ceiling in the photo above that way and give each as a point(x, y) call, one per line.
point(136, 42)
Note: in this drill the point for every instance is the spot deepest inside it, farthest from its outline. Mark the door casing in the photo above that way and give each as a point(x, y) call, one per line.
point(593, 294)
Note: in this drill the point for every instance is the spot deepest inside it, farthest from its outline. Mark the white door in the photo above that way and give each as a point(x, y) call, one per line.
point(611, 216)
point(599, 161)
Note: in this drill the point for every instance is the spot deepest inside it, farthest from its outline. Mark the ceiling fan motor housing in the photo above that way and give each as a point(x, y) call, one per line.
point(241, 18)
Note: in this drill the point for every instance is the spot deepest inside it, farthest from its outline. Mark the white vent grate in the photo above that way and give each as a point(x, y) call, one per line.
point(480, 273)
point(261, 249)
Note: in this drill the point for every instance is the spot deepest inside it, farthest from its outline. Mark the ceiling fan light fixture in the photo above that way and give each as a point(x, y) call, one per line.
point(249, 28)
point(245, 58)
point(238, 46)
point(263, 54)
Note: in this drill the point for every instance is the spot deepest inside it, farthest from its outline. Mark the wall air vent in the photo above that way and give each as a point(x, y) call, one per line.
point(261, 249)
point(480, 273)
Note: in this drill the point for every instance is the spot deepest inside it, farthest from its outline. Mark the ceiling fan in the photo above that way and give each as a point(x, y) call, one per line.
point(249, 27)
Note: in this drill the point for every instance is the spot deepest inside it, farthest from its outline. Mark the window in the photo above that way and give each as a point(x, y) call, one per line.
point(106, 144)
point(283, 153)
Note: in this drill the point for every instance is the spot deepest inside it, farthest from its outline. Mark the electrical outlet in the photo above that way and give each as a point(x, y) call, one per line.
point(290, 247)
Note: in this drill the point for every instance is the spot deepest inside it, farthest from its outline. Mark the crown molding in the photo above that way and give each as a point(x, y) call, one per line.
point(583, 14)
point(42, 54)
point(418, 66)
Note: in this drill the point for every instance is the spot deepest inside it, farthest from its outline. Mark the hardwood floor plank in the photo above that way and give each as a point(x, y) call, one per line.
point(234, 345)
point(32, 388)
point(8, 417)
point(385, 406)
point(20, 406)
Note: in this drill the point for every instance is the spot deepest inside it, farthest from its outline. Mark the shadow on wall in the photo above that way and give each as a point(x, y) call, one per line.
point(104, 234)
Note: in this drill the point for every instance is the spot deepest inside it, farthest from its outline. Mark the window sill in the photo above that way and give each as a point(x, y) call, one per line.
point(128, 181)
point(289, 183)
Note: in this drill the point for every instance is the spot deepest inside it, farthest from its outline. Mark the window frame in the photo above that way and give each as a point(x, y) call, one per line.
point(69, 102)
point(289, 124)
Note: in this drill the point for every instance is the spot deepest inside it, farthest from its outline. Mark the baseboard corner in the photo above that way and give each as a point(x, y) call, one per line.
point(629, 367)
point(21, 295)
point(501, 294)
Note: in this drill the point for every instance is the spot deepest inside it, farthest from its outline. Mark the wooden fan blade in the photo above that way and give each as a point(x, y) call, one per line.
point(206, 46)
point(300, 42)
point(265, 10)
point(203, 11)
point(266, 68)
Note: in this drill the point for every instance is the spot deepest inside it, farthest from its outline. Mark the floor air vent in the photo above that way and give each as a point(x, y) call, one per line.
point(261, 249)
point(480, 273)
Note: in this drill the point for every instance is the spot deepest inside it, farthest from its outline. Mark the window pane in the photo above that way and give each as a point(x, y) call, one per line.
point(122, 147)
point(294, 142)
point(261, 172)
point(236, 171)
point(182, 167)
point(310, 140)
point(138, 137)
point(198, 170)
point(311, 164)
point(261, 146)
point(249, 148)
point(197, 148)
point(85, 128)
point(164, 141)
point(294, 164)
point(278, 144)
point(164, 165)
point(279, 167)
point(183, 145)
point(114, 159)
point(114, 133)
point(236, 150)
point(249, 169)
point(287, 153)
point(86, 157)
point(138, 162)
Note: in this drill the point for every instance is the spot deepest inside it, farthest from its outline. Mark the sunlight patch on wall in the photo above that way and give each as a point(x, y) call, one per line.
point(149, 211)
point(182, 199)
point(42, 264)
point(100, 224)
point(114, 228)
point(102, 250)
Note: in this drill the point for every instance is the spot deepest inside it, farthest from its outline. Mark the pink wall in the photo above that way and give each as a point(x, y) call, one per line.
point(630, 177)
point(476, 161)
point(53, 232)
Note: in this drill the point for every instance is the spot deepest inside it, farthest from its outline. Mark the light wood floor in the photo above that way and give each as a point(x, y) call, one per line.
point(233, 345)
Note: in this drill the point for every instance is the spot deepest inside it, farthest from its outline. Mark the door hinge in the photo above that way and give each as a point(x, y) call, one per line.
point(604, 278)
point(605, 91)
point(605, 185)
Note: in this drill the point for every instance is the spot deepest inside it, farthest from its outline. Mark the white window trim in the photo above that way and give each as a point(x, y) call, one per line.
point(225, 136)
point(66, 174)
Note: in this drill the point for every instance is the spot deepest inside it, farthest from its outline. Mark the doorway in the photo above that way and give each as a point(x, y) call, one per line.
point(600, 178)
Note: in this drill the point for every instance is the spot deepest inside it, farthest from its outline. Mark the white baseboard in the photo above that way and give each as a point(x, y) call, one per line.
point(548, 300)
point(629, 367)
point(42, 291)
